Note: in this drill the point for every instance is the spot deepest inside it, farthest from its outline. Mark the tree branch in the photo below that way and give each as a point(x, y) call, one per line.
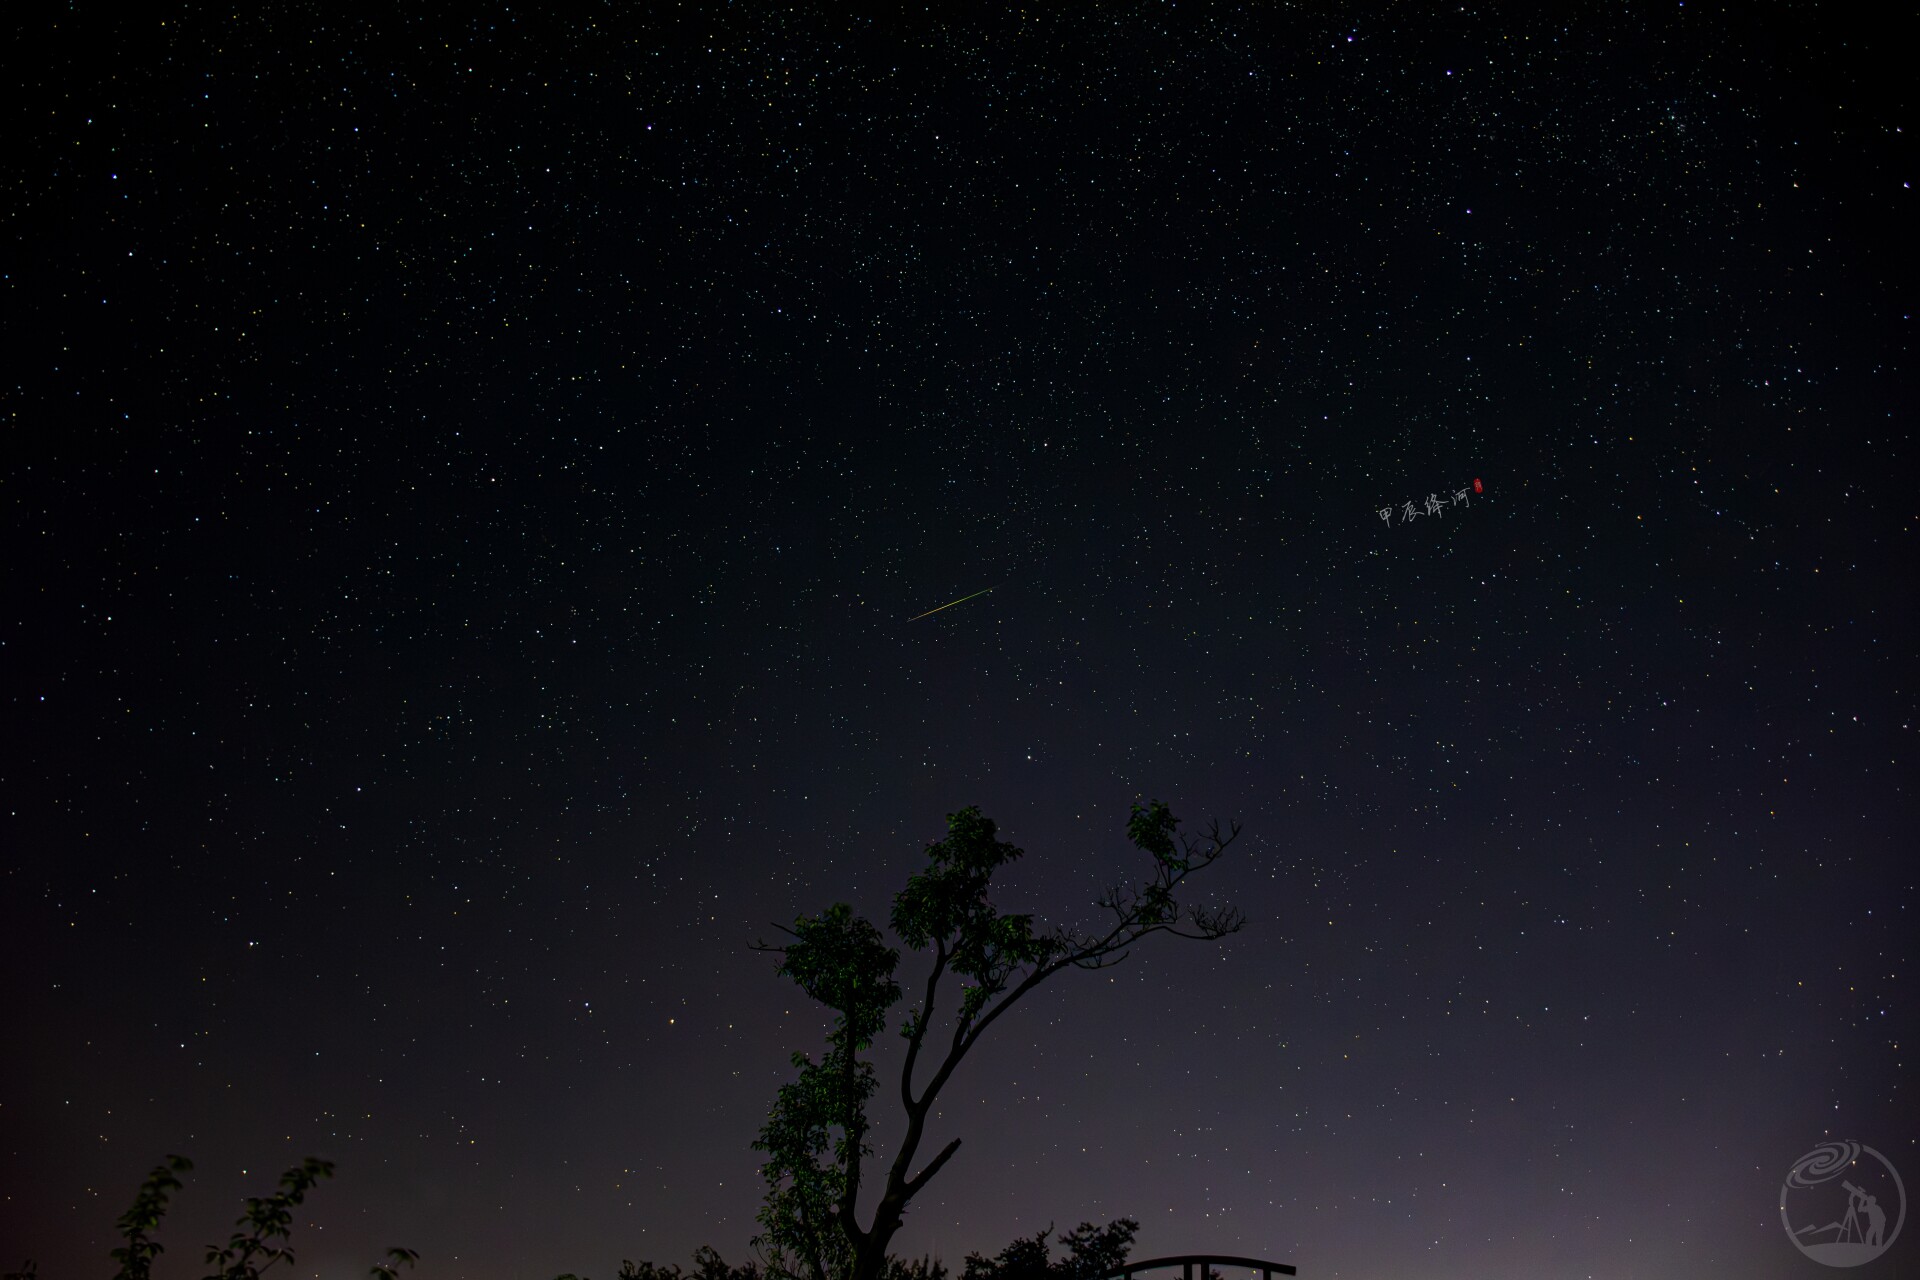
point(854, 1129)
point(1116, 939)
point(920, 1023)
point(919, 1180)
point(810, 1241)
point(757, 945)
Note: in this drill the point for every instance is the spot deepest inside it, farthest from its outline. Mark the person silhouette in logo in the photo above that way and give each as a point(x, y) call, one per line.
point(1876, 1220)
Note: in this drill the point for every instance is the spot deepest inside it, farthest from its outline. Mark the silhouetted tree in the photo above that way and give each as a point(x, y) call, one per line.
point(251, 1250)
point(816, 1135)
point(1090, 1254)
point(708, 1265)
point(924, 1269)
point(149, 1206)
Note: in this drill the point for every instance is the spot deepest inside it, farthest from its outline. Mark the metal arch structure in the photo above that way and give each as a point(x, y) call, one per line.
point(1207, 1261)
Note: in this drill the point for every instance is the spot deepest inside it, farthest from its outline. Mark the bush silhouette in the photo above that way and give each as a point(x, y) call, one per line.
point(258, 1243)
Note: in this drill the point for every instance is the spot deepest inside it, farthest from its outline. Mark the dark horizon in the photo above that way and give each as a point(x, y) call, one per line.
point(503, 510)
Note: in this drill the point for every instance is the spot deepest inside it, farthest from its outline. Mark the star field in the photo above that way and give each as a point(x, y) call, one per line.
point(469, 475)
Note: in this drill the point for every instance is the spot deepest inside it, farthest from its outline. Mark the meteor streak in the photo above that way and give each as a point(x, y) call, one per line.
point(962, 600)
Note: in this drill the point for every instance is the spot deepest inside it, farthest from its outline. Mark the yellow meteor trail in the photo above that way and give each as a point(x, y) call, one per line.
point(962, 600)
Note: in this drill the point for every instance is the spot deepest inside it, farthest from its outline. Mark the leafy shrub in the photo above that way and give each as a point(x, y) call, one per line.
point(252, 1248)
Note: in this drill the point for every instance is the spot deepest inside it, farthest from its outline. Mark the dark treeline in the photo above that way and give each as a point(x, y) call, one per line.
point(1090, 1254)
point(262, 1239)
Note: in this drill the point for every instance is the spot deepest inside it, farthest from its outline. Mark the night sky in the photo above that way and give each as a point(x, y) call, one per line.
point(468, 475)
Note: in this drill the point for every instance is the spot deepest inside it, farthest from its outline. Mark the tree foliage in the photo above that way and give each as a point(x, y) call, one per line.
point(138, 1222)
point(815, 1137)
point(260, 1241)
point(708, 1265)
point(1091, 1254)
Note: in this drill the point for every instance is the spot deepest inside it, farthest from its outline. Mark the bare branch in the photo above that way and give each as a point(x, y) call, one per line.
point(921, 1022)
point(919, 1180)
point(1032, 980)
point(757, 945)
